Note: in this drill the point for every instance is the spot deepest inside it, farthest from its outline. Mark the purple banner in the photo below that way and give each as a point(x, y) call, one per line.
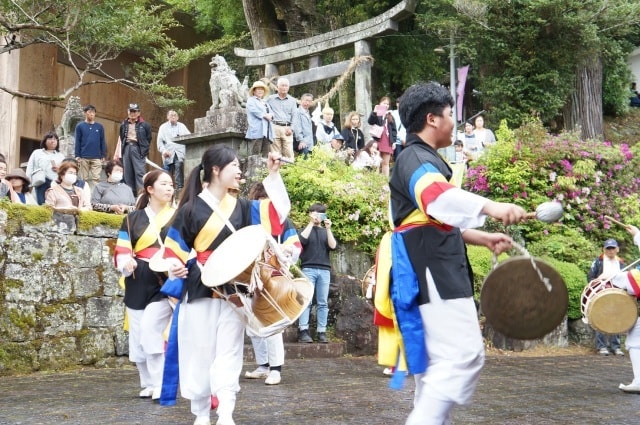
point(462, 81)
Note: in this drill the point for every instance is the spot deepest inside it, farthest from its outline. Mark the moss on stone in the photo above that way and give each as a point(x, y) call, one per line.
point(37, 256)
point(16, 358)
point(12, 283)
point(23, 321)
point(72, 247)
point(28, 214)
point(90, 219)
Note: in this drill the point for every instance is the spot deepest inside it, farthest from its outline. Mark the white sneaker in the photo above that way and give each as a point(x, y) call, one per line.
point(388, 371)
point(260, 373)
point(273, 378)
point(202, 420)
point(146, 393)
point(631, 388)
point(603, 352)
point(156, 393)
point(225, 420)
point(619, 352)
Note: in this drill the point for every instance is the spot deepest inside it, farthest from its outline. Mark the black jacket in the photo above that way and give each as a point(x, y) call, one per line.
point(143, 135)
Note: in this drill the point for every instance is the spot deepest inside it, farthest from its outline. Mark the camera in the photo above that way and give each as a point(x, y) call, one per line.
point(322, 216)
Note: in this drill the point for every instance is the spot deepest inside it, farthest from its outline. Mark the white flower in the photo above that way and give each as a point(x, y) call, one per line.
point(552, 176)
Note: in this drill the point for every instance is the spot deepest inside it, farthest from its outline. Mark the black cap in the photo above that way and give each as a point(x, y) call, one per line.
point(134, 107)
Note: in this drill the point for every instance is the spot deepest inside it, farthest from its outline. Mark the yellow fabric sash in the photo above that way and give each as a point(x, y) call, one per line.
point(150, 235)
point(214, 224)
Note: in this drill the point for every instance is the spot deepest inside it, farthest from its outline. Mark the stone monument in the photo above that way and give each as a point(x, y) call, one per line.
point(71, 116)
point(226, 120)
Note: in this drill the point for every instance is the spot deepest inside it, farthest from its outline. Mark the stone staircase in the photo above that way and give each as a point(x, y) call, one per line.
point(296, 350)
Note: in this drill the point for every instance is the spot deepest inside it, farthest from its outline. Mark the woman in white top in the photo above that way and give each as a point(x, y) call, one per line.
point(484, 136)
point(326, 130)
point(43, 164)
point(368, 157)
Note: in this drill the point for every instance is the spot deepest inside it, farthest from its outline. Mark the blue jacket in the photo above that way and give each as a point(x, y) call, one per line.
point(257, 127)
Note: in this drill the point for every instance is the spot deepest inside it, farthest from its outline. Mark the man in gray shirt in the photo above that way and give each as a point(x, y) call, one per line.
point(173, 153)
point(303, 130)
point(283, 108)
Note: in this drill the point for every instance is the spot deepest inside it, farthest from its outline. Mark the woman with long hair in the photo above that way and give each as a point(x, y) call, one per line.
point(148, 310)
point(368, 157)
point(382, 117)
point(352, 132)
point(210, 333)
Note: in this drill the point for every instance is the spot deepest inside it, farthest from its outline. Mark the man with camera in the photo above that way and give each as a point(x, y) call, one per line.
point(316, 242)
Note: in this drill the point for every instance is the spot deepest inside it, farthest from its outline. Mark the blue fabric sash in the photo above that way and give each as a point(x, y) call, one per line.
point(404, 295)
point(173, 287)
point(170, 374)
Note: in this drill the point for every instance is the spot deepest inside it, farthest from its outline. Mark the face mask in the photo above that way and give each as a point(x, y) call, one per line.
point(116, 177)
point(70, 178)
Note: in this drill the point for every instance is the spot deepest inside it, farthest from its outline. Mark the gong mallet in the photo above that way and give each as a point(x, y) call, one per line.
point(548, 212)
point(613, 220)
point(297, 164)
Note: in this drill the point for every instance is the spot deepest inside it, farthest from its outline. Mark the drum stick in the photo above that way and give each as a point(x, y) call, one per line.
point(297, 164)
point(613, 220)
point(622, 270)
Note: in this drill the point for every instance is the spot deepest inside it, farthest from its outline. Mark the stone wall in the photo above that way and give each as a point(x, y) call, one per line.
point(61, 306)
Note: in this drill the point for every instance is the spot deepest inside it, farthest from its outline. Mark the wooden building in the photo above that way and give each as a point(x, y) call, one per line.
point(43, 70)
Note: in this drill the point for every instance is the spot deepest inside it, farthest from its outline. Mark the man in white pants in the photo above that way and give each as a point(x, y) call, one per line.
point(630, 281)
point(432, 293)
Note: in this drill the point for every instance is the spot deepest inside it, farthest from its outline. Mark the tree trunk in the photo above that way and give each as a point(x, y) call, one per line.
point(266, 18)
point(583, 110)
point(263, 23)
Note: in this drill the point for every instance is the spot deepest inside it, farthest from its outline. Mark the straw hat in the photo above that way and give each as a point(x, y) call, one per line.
point(19, 173)
point(259, 85)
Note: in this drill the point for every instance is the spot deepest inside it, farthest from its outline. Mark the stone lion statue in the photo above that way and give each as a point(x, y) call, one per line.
point(71, 116)
point(226, 90)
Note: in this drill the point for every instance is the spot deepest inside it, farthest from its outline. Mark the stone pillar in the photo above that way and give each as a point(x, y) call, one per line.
point(363, 83)
point(270, 71)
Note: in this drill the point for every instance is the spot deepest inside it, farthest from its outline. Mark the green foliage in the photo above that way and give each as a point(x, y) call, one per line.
point(481, 262)
point(357, 201)
point(575, 279)
point(211, 15)
point(563, 243)
point(524, 54)
point(591, 179)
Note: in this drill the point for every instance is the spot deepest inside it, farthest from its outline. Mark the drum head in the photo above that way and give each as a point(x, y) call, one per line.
point(369, 277)
point(517, 304)
point(234, 255)
point(612, 311)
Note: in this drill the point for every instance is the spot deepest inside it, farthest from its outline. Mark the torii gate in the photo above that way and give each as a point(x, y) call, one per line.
point(312, 47)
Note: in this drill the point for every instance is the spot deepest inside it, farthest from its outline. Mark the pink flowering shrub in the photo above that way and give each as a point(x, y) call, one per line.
point(590, 178)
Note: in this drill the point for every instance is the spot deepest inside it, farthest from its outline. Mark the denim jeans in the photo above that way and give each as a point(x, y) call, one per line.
point(320, 279)
point(40, 191)
point(607, 341)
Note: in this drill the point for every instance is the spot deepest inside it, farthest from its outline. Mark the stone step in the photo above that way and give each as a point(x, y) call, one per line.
point(299, 350)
